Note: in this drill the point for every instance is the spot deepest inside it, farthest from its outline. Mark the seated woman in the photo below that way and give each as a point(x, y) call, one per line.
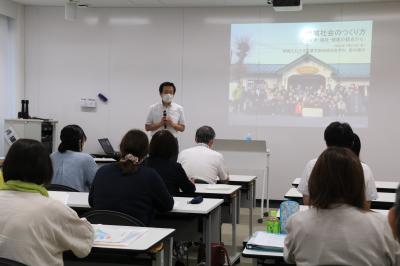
point(128, 186)
point(163, 150)
point(72, 167)
point(36, 230)
point(394, 216)
point(338, 229)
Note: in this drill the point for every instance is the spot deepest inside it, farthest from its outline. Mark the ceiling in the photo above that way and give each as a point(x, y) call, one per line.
point(182, 3)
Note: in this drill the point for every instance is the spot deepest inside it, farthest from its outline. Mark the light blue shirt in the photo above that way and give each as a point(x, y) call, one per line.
point(73, 169)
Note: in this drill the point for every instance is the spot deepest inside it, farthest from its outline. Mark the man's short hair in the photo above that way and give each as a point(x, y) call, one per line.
point(339, 135)
point(205, 134)
point(166, 84)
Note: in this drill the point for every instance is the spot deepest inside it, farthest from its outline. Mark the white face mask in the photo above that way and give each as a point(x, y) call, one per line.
point(167, 98)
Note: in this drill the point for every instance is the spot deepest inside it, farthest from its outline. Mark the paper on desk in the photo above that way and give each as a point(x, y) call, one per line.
point(266, 241)
point(116, 236)
point(176, 204)
point(60, 196)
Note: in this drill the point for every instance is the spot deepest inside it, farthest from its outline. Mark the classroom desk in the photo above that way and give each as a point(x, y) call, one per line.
point(385, 200)
point(305, 207)
point(247, 194)
point(151, 237)
point(257, 255)
point(381, 186)
point(101, 161)
point(209, 211)
point(230, 194)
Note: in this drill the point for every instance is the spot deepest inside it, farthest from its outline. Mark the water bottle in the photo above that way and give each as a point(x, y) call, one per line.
point(248, 138)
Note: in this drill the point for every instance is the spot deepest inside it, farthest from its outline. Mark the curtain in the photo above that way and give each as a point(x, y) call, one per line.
point(7, 76)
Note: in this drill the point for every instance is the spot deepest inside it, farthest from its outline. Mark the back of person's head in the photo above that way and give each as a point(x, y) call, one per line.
point(356, 147)
point(134, 148)
point(205, 134)
point(337, 178)
point(394, 216)
point(29, 161)
point(163, 145)
point(72, 138)
point(339, 135)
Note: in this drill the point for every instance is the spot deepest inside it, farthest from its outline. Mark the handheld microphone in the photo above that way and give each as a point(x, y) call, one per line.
point(165, 115)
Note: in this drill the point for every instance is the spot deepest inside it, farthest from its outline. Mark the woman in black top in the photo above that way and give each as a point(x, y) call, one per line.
point(128, 186)
point(163, 150)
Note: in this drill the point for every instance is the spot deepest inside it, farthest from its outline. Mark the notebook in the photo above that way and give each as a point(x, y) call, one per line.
point(266, 241)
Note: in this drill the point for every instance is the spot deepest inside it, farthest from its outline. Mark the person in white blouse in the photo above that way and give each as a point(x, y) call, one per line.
point(394, 216)
point(201, 162)
point(339, 135)
point(166, 114)
point(338, 229)
point(34, 229)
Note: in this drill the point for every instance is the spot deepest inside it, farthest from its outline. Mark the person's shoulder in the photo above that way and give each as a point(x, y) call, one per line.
point(302, 218)
point(155, 105)
point(146, 171)
point(54, 154)
point(374, 220)
point(376, 216)
point(367, 170)
point(312, 162)
point(86, 156)
point(176, 106)
point(110, 167)
point(188, 150)
point(82, 157)
point(54, 208)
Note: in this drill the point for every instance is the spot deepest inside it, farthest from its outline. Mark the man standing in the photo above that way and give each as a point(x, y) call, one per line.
point(166, 114)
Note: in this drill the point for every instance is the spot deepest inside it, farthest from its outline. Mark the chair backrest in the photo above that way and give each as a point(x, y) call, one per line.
point(111, 218)
point(57, 187)
point(8, 262)
point(200, 181)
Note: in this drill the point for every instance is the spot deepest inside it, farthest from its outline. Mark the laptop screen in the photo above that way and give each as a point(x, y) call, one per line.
point(107, 147)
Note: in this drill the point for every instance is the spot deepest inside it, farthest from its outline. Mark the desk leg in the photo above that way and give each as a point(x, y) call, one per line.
point(168, 246)
point(211, 231)
point(239, 200)
point(234, 222)
point(207, 237)
point(252, 189)
point(159, 259)
point(216, 225)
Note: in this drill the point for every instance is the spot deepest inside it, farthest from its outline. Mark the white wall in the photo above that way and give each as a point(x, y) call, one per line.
point(12, 63)
point(126, 53)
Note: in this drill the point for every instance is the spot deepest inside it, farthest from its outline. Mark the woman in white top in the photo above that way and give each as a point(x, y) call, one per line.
point(338, 229)
point(394, 216)
point(34, 229)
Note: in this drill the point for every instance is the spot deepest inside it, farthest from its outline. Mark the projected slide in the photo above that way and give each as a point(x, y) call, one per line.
point(300, 74)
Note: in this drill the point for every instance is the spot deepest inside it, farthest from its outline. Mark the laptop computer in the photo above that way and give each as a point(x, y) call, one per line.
point(108, 149)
